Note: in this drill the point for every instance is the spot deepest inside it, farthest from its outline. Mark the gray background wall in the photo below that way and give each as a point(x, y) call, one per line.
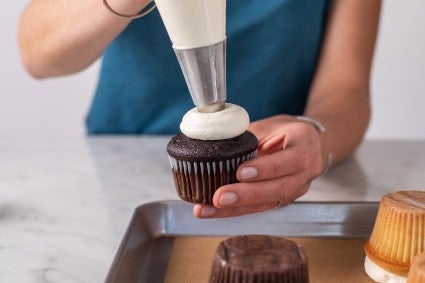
point(58, 106)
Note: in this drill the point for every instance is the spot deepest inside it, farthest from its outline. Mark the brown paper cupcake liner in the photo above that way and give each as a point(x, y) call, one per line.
point(229, 275)
point(196, 182)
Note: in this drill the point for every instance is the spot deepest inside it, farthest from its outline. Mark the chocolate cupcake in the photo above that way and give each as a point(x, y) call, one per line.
point(200, 167)
point(208, 152)
point(259, 259)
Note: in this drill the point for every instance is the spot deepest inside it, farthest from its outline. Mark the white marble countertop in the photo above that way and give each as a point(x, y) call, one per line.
point(65, 204)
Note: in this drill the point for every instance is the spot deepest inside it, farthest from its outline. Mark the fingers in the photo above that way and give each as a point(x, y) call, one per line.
point(285, 153)
point(242, 205)
point(285, 189)
point(273, 143)
point(278, 164)
point(206, 211)
point(269, 126)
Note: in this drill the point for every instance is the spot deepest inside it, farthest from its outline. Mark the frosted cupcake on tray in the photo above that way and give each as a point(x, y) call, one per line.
point(206, 155)
point(397, 237)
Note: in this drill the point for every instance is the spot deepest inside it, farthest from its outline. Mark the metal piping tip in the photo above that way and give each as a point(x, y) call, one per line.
point(215, 107)
point(204, 70)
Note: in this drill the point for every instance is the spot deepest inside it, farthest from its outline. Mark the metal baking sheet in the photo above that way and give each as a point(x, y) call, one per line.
point(146, 248)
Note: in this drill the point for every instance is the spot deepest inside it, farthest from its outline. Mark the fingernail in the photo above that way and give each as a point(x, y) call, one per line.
point(248, 173)
point(207, 211)
point(227, 198)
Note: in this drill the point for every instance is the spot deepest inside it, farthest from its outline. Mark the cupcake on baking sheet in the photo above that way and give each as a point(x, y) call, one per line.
point(417, 270)
point(397, 237)
point(206, 155)
point(259, 259)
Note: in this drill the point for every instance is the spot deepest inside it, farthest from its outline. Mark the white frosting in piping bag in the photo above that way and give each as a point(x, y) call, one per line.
point(381, 275)
point(228, 123)
point(193, 23)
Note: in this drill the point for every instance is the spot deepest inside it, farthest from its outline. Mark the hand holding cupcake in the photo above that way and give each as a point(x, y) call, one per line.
point(289, 158)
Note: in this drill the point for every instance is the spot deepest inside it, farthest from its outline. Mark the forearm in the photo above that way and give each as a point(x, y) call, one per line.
point(339, 96)
point(58, 37)
point(346, 115)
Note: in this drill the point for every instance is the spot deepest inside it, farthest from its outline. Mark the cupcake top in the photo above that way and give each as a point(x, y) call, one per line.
point(228, 123)
point(183, 148)
point(259, 259)
point(261, 253)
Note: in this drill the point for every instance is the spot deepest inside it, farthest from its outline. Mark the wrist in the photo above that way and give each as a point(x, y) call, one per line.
point(326, 154)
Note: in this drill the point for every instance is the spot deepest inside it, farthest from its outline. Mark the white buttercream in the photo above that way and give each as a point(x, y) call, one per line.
point(381, 275)
point(194, 23)
point(228, 123)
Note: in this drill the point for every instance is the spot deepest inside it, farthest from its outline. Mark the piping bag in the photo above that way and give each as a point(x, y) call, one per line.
point(197, 29)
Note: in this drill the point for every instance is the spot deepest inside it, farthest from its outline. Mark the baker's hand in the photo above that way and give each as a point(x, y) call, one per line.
point(289, 158)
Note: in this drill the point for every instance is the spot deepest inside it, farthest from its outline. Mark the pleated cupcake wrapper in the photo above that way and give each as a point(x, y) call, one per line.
point(197, 181)
point(222, 273)
point(397, 237)
point(209, 168)
point(227, 275)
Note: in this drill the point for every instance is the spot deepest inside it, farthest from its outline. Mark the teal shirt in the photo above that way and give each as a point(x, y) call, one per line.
point(272, 52)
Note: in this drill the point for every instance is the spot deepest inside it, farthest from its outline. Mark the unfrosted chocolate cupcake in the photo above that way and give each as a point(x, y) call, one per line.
point(259, 259)
point(200, 167)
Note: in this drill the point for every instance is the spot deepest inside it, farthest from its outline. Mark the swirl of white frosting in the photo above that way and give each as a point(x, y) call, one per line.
point(381, 275)
point(228, 123)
